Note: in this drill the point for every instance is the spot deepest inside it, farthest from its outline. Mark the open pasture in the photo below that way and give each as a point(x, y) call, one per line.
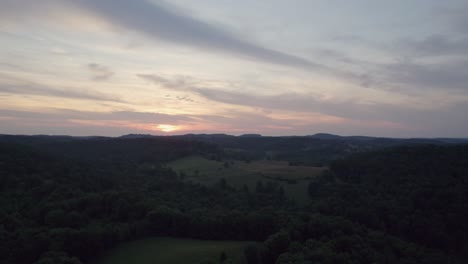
point(173, 250)
point(294, 179)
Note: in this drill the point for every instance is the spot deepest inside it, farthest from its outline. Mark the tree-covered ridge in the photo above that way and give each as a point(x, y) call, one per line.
point(67, 200)
point(413, 194)
point(420, 194)
point(63, 208)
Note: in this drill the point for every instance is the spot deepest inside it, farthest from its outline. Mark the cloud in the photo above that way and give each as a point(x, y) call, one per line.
point(437, 61)
point(99, 72)
point(365, 119)
point(69, 114)
point(448, 122)
point(287, 101)
point(294, 102)
point(457, 17)
point(73, 122)
point(185, 99)
point(162, 22)
point(12, 9)
point(176, 83)
point(452, 75)
point(435, 45)
point(406, 118)
point(15, 86)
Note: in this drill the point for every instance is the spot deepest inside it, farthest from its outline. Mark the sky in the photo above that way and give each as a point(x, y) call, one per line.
point(272, 67)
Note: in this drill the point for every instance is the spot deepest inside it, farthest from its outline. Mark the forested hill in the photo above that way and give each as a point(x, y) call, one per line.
point(59, 207)
point(66, 200)
point(416, 193)
point(136, 150)
point(420, 194)
point(315, 150)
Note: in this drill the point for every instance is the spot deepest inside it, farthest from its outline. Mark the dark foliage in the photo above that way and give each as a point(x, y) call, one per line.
point(65, 200)
point(405, 205)
point(73, 207)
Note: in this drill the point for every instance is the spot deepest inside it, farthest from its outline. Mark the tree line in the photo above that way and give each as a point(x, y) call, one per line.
point(67, 201)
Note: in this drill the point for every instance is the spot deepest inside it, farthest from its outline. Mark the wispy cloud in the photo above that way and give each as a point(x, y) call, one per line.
point(15, 86)
point(457, 17)
point(77, 122)
point(287, 101)
point(407, 119)
point(168, 23)
point(177, 83)
point(437, 61)
point(165, 22)
point(396, 115)
point(452, 75)
point(99, 72)
point(121, 122)
point(436, 45)
point(69, 114)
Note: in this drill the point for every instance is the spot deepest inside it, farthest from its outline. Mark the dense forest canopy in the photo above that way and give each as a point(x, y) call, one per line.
point(66, 200)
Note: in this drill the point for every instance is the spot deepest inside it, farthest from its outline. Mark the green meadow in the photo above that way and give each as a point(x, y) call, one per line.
point(174, 251)
point(293, 179)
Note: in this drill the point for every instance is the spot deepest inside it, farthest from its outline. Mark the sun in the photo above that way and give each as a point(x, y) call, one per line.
point(167, 128)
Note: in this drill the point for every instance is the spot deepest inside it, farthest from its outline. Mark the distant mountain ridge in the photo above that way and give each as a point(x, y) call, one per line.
point(321, 136)
point(324, 136)
point(315, 150)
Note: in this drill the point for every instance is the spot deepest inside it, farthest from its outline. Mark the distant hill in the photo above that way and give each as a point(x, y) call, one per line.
point(137, 136)
point(381, 200)
point(317, 150)
point(325, 136)
point(250, 135)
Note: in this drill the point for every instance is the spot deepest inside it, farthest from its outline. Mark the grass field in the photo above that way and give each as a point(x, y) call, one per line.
point(173, 250)
point(237, 173)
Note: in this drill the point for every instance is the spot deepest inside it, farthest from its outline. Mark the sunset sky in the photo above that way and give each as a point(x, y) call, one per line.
point(274, 67)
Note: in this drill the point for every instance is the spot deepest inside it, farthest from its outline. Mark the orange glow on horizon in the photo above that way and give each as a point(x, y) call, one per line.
point(167, 128)
point(129, 124)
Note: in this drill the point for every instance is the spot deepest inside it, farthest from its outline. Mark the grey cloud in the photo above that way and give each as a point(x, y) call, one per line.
point(286, 101)
point(11, 66)
point(143, 117)
point(162, 22)
point(61, 121)
point(452, 75)
point(436, 45)
point(165, 22)
point(247, 122)
point(99, 72)
point(292, 102)
point(458, 17)
point(451, 40)
point(438, 61)
point(30, 88)
point(335, 55)
point(62, 115)
point(12, 9)
point(53, 121)
point(185, 98)
point(432, 120)
point(147, 117)
point(22, 122)
point(64, 121)
point(439, 122)
point(176, 83)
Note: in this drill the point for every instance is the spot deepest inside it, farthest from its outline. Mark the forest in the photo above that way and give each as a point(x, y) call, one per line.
point(68, 200)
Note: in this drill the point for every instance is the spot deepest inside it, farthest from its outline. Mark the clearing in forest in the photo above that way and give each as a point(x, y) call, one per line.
point(294, 179)
point(173, 250)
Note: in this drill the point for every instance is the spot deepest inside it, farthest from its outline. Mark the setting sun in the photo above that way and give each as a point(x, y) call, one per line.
point(167, 128)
